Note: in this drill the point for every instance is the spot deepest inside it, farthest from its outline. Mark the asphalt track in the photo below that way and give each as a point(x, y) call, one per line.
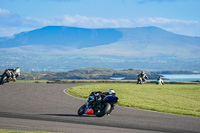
point(45, 107)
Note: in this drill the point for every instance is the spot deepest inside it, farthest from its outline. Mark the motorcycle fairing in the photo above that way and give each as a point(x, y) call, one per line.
point(111, 99)
point(90, 112)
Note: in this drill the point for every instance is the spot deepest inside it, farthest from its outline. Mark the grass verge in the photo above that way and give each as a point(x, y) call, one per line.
point(30, 81)
point(170, 98)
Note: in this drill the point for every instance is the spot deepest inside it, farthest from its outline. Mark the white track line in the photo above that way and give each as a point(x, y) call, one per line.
point(121, 106)
point(71, 95)
point(65, 91)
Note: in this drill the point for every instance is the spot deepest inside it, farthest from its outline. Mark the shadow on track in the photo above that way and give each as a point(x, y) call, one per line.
point(70, 115)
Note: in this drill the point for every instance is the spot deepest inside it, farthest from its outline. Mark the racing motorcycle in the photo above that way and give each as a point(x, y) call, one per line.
point(6, 77)
point(140, 81)
point(100, 109)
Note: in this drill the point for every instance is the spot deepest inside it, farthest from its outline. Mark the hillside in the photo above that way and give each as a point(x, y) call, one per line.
point(95, 74)
point(150, 42)
point(62, 36)
point(86, 73)
point(61, 48)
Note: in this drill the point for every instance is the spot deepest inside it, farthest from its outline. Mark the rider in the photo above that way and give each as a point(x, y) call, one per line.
point(160, 81)
point(14, 73)
point(96, 97)
point(143, 75)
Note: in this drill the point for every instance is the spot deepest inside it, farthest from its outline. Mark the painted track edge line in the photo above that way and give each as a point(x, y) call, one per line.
point(120, 106)
point(72, 95)
point(84, 99)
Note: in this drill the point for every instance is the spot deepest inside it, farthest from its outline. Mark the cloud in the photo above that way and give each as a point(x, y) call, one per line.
point(190, 28)
point(160, 20)
point(90, 22)
point(4, 12)
point(13, 23)
point(10, 21)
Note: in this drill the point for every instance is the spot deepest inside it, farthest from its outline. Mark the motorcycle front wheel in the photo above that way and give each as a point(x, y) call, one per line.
point(3, 79)
point(81, 110)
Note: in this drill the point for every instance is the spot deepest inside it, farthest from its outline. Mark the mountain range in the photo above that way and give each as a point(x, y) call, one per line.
point(67, 48)
point(62, 36)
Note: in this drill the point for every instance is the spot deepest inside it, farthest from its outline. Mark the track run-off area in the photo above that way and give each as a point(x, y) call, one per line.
point(46, 107)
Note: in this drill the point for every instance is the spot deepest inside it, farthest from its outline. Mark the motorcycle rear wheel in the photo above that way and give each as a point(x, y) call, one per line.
point(104, 111)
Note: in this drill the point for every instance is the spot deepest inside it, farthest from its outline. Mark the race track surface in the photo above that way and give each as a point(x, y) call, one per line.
point(45, 107)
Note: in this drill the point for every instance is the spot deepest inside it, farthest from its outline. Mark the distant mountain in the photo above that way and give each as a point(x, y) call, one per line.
point(68, 48)
point(141, 41)
point(63, 36)
point(153, 41)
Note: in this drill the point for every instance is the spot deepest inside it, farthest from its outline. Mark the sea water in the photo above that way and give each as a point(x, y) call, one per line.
point(182, 77)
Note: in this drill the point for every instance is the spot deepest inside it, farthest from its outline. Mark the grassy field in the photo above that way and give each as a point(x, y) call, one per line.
point(9, 131)
point(170, 98)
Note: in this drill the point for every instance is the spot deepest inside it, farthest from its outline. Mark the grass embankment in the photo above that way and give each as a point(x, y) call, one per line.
point(77, 81)
point(170, 98)
point(30, 81)
point(9, 131)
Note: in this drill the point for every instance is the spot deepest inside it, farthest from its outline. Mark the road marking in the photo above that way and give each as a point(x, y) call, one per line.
point(65, 91)
point(71, 95)
point(120, 106)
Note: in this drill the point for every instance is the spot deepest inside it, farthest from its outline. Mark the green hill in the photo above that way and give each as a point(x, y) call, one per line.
point(86, 73)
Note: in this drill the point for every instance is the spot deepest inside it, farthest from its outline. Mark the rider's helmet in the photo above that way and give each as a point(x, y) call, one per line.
point(143, 72)
point(111, 92)
point(17, 70)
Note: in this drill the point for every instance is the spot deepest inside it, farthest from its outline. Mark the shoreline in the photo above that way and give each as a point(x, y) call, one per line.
point(69, 81)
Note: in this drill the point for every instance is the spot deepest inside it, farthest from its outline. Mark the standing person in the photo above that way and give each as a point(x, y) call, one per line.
point(160, 81)
point(143, 75)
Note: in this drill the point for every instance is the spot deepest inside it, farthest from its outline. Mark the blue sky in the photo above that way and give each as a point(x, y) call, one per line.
point(178, 16)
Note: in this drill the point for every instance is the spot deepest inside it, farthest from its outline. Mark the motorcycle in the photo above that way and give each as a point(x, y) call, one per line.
point(140, 81)
point(6, 77)
point(101, 108)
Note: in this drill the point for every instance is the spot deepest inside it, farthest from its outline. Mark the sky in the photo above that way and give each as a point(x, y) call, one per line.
point(177, 16)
